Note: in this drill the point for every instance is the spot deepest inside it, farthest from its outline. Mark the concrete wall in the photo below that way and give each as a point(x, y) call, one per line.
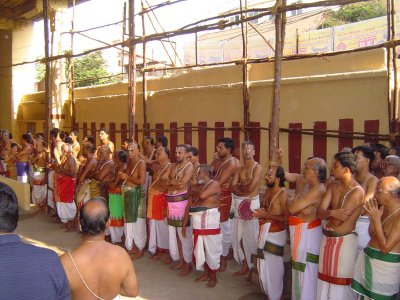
point(316, 89)
point(22, 190)
point(5, 79)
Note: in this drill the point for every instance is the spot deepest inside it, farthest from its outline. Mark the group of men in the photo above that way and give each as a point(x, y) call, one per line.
point(344, 230)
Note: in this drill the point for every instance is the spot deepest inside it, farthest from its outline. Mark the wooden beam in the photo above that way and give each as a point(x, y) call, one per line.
point(25, 7)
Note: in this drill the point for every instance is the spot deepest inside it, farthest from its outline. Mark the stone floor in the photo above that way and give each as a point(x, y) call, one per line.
point(155, 279)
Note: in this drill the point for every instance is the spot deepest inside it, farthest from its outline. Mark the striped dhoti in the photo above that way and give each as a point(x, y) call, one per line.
point(115, 204)
point(271, 241)
point(377, 275)
point(336, 265)
point(305, 241)
point(207, 237)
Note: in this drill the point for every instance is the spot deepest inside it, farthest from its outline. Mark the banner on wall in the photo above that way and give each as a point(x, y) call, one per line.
point(316, 41)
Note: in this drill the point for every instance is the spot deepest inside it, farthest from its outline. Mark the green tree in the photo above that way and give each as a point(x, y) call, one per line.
point(90, 70)
point(354, 13)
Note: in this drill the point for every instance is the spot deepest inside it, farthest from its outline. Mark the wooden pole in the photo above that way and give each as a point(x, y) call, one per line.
point(47, 82)
point(123, 39)
point(144, 82)
point(395, 110)
point(71, 69)
point(196, 48)
point(280, 22)
point(245, 74)
point(132, 71)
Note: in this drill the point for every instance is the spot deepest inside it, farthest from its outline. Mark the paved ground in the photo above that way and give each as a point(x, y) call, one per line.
point(155, 279)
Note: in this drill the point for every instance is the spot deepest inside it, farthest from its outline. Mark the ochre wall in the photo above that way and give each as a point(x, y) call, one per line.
point(316, 89)
point(5, 79)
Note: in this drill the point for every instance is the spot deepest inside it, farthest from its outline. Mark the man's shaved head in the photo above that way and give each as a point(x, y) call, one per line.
point(94, 216)
point(390, 184)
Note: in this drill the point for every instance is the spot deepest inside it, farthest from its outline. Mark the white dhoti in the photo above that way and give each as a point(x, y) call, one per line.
point(362, 226)
point(377, 275)
point(187, 243)
point(135, 233)
point(207, 237)
point(159, 236)
point(39, 190)
point(270, 261)
point(66, 211)
point(226, 236)
point(305, 241)
point(336, 266)
point(50, 190)
point(134, 205)
point(245, 231)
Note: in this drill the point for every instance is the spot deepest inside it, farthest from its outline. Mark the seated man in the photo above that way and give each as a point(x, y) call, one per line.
point(377, 271)
point(27, 271)
point(97, 269)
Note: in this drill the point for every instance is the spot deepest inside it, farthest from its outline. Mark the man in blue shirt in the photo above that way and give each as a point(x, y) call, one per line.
point(26, 271)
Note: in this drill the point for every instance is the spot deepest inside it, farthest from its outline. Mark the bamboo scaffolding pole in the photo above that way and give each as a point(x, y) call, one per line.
point(395, 119)
point(389, 68)
point(144, 81)
point(47, 82)
point(160, 5)
point(71, 84)
point(93, 28)
point(262, 36)
point(280, 19)
point(245, 75)
point(123, 39)
point(132, 70)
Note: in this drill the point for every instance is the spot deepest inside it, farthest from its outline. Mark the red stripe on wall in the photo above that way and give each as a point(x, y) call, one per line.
point(219, 131)
point(103, 125)
point(345, 125)
point(371, 126)
point(84, 131)
point(173, 139)
point(255, 136)
point(124, 132)
point(202, 142)
point(93, 131)
point(187, 133)
point(294, 154)
point(236, 138)
point(319, 141)
point(159, 129)
point(112, 132)
point(146, 129)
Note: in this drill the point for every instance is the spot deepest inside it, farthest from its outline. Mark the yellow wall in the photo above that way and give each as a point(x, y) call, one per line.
point(22, 190)
point(315, 89)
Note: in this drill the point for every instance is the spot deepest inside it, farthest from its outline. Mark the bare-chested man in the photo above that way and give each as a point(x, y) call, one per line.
point(10, 162)
point(224, 170)
point(207, 237)
point(380, 152)
point(364, 157)
point(377, 271)
point(177, 196)
point(272, 237)
point(23, 157)
point(86, 173)
point(65, 180)
point(115, 203)
point(341, 206)
point(39, 163)
point(148, 155)
point(105, 140)
point(105, 170)
point(305, 230)
point(96, 269)
point(157, 208)
point(244, 187)
point(5, 150)
point(76, 147)
point(134, 202)
point(391, 166)
point(55, 159)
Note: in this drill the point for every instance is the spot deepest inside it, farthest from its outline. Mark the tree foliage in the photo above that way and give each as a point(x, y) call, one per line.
point(90, 70)
point(354, 13)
